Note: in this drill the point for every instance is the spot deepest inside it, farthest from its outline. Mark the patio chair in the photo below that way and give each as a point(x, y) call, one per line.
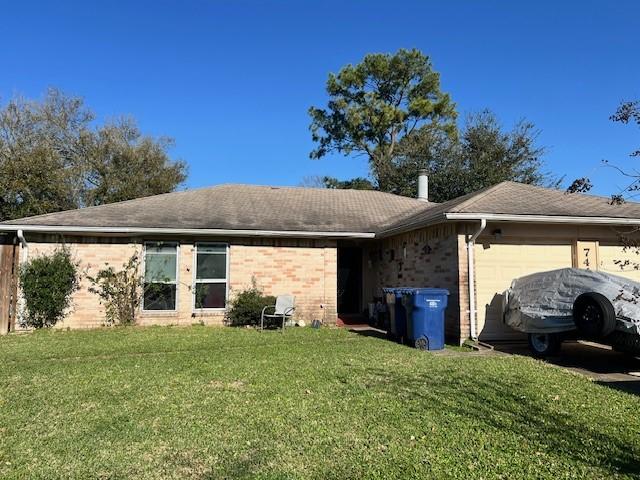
point(284, 308)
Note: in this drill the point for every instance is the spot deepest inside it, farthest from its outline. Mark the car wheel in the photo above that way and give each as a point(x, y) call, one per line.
point(594, 315)
point(626, 343)
point(544, 344)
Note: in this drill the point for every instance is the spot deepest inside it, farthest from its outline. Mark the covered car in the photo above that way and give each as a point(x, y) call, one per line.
point(593, 305)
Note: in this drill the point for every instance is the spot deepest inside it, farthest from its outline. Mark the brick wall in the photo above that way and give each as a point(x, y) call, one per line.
point(304, 268)
point(431, 257)
point(86, 311)
point(307, 272)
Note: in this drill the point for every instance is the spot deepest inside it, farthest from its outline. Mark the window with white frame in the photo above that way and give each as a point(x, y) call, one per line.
point(210, 290)
point(160, 275)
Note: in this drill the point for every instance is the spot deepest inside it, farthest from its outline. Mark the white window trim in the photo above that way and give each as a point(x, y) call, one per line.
point(177, 282)
point(195, 281)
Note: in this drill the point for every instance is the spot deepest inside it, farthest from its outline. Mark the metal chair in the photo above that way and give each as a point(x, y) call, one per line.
point(284, 308)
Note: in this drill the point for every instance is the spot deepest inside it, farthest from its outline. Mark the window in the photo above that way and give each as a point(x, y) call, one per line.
point(160, 276)
point(210, 276)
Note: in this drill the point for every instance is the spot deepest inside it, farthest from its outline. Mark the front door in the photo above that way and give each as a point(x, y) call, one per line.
point(349, 280)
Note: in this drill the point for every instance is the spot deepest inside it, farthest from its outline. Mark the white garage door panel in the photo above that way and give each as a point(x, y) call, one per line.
point(608, 256)
point(497, 266)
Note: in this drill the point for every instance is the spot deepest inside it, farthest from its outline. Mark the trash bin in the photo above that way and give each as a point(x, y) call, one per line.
point(405, 297)
point(397, 313)
point(427, 307)
point(390, 300)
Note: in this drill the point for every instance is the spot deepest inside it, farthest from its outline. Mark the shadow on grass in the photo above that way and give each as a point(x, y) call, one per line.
point(508, 408)
point(189, 465)
point(628, 386)
point(382, 335)
point(370, 332)
point(608, 367)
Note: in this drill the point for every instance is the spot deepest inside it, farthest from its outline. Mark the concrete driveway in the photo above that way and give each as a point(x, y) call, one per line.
point(599, 362)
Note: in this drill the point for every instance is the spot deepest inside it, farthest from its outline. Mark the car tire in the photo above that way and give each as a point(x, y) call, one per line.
point(544, 344)
point(594, 316)
point(626, 343)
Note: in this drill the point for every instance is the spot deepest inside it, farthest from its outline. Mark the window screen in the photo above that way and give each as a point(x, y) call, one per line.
point(211, 276)
point(160, 276)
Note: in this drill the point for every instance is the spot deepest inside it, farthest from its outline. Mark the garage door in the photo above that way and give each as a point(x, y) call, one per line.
point(497, 265)
point(611, 255)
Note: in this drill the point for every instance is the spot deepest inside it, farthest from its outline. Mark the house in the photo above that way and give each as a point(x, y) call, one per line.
point(333, 249)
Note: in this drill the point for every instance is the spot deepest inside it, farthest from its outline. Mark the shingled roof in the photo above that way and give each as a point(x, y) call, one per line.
point(518, 199)
point(250, 208)
point(244, 207)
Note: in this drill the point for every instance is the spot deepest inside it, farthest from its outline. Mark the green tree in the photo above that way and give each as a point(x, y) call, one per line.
point(41, 154)
point(483, 154)
point(319, 181)
point(123, 164)
point(357, 183)
point(53, 157)
point(376, 103)
point(428, 149)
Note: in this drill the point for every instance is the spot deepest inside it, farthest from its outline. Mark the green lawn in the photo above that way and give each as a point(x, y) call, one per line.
point(202, 402)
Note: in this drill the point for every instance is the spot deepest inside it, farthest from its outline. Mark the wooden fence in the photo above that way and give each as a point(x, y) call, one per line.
point(9, 261)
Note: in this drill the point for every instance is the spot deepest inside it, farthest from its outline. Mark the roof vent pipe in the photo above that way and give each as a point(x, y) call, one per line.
point(423, 186)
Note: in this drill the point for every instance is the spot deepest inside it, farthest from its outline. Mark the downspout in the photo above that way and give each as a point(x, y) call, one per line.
point(24, 257)
point(471, 272)
point(24, 245)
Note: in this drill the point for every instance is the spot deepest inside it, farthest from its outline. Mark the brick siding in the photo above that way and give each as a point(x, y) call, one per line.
point(304, 268)
point(433, 257)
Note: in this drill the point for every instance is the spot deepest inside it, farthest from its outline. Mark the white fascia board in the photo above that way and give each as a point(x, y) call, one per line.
point(499, 217)
point(181, 231)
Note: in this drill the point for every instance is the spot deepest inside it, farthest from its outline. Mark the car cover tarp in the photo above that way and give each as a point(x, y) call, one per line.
point(543, 302)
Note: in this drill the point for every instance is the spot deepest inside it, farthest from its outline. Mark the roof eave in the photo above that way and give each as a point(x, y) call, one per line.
point(501, 217)
point(451, 216)
point(559, 219)
point(125, 231)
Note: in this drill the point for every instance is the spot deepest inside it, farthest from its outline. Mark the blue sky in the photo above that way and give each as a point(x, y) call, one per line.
point(231, 81)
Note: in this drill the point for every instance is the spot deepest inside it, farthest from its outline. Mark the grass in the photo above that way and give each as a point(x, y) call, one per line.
point(201, 402)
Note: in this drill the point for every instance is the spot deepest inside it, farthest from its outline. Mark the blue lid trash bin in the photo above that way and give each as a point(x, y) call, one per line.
point(426, 307)
point(397, 314)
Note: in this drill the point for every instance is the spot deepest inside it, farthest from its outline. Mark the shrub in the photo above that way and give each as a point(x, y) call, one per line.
point(247, 305)
point(47, 283)
point(120, 292)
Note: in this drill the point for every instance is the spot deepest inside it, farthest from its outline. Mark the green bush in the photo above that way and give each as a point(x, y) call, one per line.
point(47, 283)
point(247, 305)
point(120, 291)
